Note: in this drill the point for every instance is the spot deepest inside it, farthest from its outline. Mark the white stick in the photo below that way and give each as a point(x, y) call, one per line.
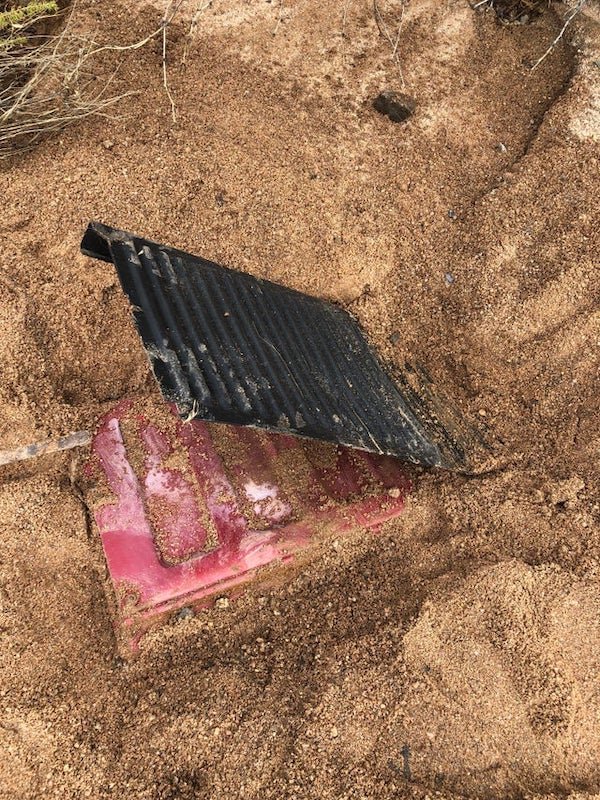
point(77, 439)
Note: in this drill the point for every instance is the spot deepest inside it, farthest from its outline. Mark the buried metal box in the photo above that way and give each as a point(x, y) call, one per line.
point(189, 511)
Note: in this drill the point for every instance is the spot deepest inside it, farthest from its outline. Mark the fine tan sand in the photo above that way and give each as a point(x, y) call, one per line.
point(457, 654)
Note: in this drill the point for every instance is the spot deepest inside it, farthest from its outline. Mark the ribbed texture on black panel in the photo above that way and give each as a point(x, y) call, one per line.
point(228, 347)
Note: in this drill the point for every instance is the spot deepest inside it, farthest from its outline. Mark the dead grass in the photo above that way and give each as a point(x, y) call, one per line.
point(393, 37)
point(44, 82)
point(17, 20)
point(47, 79)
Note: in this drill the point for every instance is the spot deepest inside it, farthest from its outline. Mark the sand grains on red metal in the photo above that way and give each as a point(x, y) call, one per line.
point(192, 511)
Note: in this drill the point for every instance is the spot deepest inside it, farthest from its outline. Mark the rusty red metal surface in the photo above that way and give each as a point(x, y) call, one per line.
point(182, 524)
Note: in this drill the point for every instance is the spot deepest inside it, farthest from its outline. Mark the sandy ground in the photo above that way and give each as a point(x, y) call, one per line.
point(458, 654)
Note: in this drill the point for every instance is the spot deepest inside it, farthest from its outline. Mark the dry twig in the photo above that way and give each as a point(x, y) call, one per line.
point(171, 9)
point(199, 10)
point(279, 18)
point(42, 89)
point(568, 20)
point(393, 41)
point(77, 439)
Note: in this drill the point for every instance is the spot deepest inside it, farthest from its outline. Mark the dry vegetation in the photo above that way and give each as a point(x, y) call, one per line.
point(44, 84)
point(47, 72)
point(515, 11)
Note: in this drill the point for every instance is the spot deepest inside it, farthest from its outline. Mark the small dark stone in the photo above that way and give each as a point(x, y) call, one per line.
point(395, 337)
point(398, 107)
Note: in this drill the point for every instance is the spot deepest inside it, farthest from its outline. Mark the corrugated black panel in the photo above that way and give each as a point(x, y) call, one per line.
point(229, 347)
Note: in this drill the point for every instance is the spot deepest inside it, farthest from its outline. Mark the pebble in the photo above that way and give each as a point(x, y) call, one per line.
point(394, 105)
point(222, 603)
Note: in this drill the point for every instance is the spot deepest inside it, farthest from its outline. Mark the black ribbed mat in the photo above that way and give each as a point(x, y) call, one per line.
point(227, 347)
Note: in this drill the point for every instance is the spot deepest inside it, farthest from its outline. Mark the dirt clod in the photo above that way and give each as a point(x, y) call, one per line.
point(398, 107)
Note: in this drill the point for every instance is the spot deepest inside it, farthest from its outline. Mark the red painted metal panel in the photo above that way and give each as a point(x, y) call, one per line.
point(181, 524)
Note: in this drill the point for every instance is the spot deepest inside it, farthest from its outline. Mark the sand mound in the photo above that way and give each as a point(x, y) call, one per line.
point(502, 676)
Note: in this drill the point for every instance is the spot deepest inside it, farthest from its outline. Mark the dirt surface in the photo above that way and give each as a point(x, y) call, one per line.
point(458, 654)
